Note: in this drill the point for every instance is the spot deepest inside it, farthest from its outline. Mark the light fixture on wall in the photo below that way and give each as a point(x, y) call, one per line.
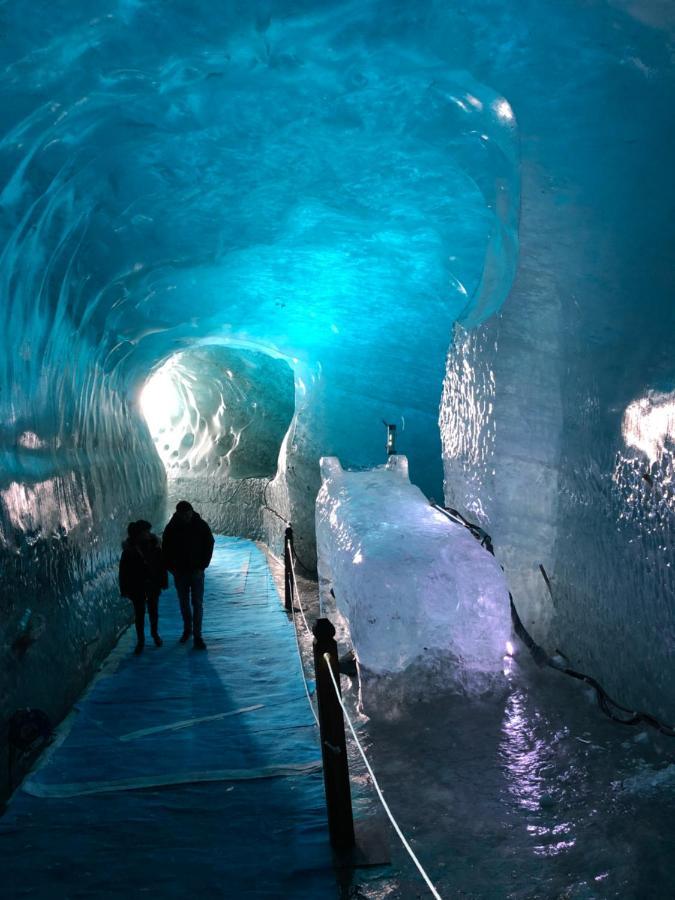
point(391, 438)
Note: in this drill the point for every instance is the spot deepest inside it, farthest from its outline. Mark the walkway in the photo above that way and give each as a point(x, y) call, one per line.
point(183, 773)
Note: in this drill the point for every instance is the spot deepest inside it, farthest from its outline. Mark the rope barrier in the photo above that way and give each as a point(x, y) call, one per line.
point(308, 569)
point(302, 670)
point(297, 640)
point(294, 583)
point(378, 790)
point(377, 787)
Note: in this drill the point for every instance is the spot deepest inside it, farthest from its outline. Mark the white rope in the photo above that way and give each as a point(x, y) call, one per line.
point(384, 803)
point(377, 786)
point(297, 594)
point(302, 670)
point(302, 667)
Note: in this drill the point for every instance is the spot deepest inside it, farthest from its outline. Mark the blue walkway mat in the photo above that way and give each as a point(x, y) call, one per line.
point(181, 770)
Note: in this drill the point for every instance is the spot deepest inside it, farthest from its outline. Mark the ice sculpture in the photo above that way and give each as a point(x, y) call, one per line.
point(411, 584)
point(178, 176)
point(556, 431)
point(336, 185)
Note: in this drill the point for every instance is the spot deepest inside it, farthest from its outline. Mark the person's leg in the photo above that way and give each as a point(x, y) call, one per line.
point(153, 615)
point(139, 617)
point(197, 585)
point(182, 582)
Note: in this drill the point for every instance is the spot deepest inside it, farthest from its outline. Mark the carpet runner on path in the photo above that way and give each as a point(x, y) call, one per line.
point(183, 771)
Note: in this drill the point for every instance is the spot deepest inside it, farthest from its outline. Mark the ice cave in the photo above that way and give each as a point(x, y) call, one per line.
point(239, 240)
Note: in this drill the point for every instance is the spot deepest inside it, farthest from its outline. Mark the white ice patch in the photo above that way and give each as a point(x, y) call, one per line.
point(650, 780)
point(412, 585)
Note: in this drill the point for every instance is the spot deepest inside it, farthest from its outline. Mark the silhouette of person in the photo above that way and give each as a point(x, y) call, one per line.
point(187, 545)
point(142, 577)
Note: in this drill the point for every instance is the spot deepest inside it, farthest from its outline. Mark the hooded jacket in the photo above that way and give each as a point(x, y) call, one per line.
point(187, 546)
point(142, 572)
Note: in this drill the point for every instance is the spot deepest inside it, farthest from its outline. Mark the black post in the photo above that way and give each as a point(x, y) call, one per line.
point(288, 573)
point(333, 743)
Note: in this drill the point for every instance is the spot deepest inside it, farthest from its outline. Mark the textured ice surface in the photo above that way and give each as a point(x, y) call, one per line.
point(556, 416)
point(212, 410)
point(335, 184)
point(411, 584)
point(218, 417)
point(305, 181)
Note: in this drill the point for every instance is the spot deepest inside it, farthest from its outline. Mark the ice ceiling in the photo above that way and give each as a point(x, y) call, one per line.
point(334, 188)
point(269, 181)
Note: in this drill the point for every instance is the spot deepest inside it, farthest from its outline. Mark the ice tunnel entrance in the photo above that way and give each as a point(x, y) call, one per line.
point(218, 416)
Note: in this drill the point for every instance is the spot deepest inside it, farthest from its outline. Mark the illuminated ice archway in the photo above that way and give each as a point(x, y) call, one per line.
point(217, 410)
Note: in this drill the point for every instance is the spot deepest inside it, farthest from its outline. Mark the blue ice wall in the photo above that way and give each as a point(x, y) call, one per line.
point(218, 418)
point(302, 178)
point(337, 185)
point(305, 180)
point(557, 415)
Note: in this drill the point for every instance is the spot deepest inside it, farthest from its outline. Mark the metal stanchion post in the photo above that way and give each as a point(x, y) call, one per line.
point(288, 573)
point(333, 743)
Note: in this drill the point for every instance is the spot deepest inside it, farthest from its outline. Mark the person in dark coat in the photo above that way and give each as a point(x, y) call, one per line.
point(187, 545)
point(143, 577)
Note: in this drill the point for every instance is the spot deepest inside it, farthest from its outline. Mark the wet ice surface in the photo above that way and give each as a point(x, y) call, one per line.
point(415, 588)
point(303, 180)
point(529, 792)
point(154, 787)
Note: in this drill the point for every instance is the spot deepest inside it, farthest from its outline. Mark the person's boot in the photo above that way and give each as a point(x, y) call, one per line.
point(157, 639)
point(140, 638)
point(198, 644)
point(185, 636)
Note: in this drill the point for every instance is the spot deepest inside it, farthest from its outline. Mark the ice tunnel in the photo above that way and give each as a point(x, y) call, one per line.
point(303, 218)
point(218, 417)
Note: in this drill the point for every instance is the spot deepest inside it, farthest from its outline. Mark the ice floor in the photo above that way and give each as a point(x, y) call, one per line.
point(529, 794)
point(164, 782)
point(183, 773)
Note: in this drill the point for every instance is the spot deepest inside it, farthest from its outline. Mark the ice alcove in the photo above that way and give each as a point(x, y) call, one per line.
point(217, 417)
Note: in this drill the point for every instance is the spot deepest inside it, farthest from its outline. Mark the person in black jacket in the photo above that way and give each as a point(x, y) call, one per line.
point(142, 577)
point(187, 545)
